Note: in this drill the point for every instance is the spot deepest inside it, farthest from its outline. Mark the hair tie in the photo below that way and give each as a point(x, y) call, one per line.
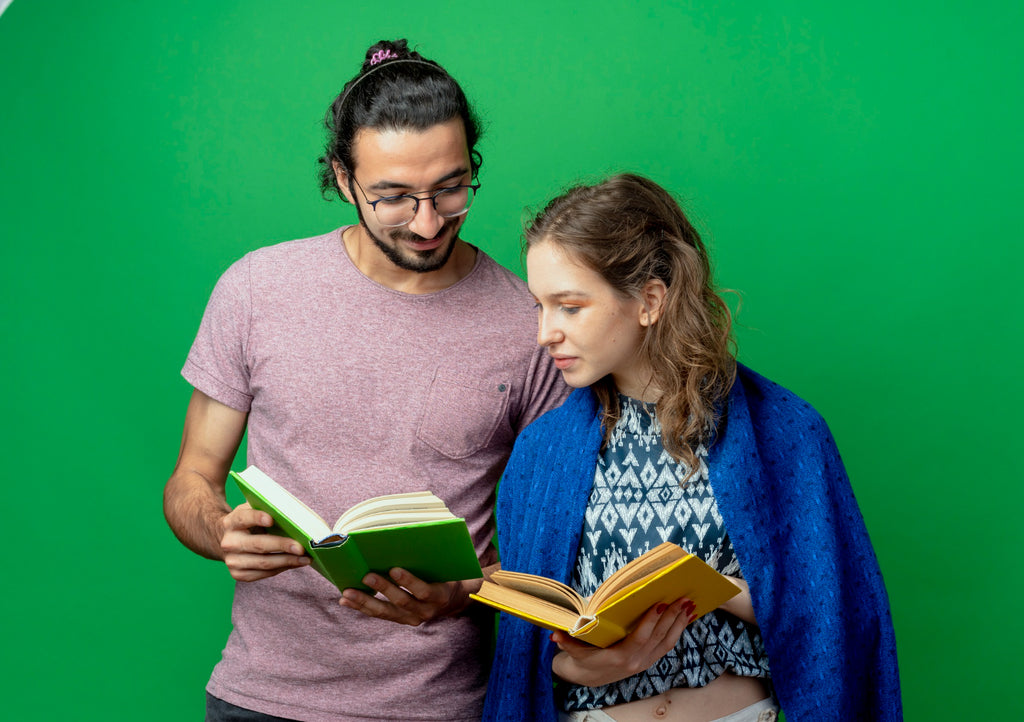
point(381, 55)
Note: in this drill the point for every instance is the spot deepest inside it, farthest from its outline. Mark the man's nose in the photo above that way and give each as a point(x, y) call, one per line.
point(427, 221)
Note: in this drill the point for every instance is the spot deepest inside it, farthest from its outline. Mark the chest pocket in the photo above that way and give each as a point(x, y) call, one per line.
point(461, 414)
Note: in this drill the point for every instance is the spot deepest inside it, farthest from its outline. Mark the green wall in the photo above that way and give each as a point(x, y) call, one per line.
point(857, 170)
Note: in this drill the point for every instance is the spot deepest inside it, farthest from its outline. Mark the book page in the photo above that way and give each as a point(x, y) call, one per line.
point(541, 587)
point(643, 566)
point(281, 502)
point(388, 504)
point(385, 518)
point(548, 614)
point(688, 577)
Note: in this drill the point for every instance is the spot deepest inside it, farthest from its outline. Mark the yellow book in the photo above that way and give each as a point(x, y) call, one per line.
point(661, 576)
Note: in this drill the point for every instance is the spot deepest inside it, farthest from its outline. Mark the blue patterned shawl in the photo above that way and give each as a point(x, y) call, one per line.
point(787, 504)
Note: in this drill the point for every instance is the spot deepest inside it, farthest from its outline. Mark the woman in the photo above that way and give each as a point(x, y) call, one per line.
point(667, 438)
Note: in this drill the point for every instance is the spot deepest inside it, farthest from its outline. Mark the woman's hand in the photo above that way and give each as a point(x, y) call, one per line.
point(656, 634)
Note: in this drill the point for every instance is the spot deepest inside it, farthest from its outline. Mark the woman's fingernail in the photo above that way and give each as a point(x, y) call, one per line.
point(660, 609)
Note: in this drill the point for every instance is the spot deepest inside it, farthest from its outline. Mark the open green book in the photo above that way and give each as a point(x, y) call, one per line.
point(414, 531)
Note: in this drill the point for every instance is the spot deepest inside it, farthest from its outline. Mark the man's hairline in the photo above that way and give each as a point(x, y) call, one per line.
point(454, 173)
point(391, 127)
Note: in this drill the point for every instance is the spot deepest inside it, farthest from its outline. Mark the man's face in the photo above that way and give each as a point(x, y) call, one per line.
point(396, 162)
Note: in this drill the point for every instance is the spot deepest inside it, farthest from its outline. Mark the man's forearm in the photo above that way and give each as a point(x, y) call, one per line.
point(194, 512)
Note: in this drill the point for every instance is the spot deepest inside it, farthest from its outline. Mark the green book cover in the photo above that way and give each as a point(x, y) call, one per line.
point(414, 531)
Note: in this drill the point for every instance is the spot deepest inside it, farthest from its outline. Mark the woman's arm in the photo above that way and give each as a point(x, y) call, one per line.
point(740, 605)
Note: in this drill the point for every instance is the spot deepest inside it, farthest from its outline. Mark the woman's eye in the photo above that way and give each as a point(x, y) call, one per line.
point(570, 309)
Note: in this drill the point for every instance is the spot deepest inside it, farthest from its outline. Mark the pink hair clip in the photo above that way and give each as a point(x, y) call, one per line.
point(382, 55)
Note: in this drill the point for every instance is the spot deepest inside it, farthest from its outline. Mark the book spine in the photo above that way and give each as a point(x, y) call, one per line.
point(597, 631)
point(343, 565)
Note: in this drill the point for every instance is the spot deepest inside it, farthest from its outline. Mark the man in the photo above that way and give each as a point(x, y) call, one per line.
point(385, 357)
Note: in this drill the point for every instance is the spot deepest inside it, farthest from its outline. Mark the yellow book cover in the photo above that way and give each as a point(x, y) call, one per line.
point(659, 576)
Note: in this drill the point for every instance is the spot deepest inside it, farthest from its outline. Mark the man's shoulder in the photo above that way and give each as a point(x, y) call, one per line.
point(491, 296)
point(282, 263)
point(299, 251)
point(498, 276)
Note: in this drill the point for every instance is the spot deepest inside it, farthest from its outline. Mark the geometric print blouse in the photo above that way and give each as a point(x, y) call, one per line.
point(637, 502)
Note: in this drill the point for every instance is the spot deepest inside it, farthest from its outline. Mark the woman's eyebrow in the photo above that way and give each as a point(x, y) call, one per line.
point(562, 295)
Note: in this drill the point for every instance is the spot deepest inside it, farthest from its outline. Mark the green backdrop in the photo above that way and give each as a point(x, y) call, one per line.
point(856, 169)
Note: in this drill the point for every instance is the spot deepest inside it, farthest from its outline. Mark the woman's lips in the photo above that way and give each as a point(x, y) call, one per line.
point(563, 362)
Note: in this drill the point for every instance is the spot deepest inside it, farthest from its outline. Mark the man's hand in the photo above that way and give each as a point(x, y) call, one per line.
point(658, 632)
point(251, 554)
point(408, 599)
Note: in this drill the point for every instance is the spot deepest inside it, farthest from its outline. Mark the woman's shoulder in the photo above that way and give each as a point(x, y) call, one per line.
point(770, 396)
point(768, 400)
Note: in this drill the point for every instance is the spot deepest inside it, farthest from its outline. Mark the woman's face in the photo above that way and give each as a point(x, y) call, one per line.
point(589, 329)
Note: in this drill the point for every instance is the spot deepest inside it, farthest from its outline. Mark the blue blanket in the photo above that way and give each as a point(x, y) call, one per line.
point(787, 504)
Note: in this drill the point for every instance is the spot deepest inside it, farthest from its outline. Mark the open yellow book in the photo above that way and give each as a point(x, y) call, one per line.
point(660, 576)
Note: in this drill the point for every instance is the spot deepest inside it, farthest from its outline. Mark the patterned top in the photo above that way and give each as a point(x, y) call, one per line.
point(636, 503)
point(792, 517)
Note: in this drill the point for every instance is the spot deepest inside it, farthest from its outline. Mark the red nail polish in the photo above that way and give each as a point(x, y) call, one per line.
point(660, 609)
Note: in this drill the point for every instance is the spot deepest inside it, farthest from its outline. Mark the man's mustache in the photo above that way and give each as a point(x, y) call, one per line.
point(414, 237)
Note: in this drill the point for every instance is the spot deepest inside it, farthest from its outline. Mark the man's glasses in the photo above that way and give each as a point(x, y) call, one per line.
point(392, 211)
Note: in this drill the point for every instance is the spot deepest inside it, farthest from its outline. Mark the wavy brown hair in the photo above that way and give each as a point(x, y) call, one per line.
point(630, 230)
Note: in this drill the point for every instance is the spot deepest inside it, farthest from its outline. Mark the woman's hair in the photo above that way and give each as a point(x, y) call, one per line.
point(396, 89)
point(630, 230)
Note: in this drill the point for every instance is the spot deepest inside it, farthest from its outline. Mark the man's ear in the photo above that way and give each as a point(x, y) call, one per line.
point(652, 298)
point(341, 178)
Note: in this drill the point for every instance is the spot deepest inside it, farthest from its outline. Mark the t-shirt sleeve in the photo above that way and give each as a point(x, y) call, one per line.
point(217, 364)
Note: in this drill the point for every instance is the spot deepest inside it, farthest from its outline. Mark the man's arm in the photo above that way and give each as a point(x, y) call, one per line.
point(196, 507)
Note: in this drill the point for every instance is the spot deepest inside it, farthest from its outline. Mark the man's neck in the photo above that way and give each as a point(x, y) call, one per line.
point(373, 264)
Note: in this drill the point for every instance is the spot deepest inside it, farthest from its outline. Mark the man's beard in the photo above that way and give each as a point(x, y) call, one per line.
point(419, 261)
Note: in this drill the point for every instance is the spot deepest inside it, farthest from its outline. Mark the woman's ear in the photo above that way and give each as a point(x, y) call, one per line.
point(652, 300)
point(341, 178)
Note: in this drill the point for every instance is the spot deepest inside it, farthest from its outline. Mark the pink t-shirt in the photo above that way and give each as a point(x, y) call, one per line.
point(355, 390)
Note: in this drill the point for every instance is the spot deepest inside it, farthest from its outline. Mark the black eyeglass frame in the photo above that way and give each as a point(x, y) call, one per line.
point(432, 197)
